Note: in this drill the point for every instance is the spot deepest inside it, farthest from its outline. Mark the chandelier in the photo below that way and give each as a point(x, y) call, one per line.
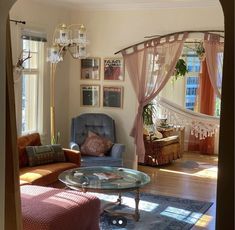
point(70, 38)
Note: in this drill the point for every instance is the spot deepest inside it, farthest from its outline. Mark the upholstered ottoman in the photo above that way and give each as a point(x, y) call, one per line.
point(45, 208)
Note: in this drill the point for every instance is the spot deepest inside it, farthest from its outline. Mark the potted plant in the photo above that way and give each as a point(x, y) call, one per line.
point(180, 68)
point(149, 112)
point(200, 51)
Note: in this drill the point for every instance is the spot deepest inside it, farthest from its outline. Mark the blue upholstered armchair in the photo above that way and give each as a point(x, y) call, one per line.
point(102, 125)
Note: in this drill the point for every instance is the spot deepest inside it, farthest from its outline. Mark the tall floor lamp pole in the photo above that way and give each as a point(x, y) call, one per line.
point(52, 101)
point(70, 38)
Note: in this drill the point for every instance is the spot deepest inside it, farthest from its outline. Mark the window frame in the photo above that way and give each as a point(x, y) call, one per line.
point(39, 73)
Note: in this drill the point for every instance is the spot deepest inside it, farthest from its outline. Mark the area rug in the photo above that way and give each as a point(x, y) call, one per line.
point(156, 212)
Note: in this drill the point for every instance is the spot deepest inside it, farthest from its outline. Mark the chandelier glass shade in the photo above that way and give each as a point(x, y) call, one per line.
point(71, 38)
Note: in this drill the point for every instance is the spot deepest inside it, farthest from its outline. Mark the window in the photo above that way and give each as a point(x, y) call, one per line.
point(32, 85)
point(192, 77)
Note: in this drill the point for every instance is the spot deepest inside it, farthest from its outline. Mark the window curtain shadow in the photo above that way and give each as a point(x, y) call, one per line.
point(12, 190)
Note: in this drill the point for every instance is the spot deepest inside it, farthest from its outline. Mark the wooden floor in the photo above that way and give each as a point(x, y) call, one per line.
point(194, 177)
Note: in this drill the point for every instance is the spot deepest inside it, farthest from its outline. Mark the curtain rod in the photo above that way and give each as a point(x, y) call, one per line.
point(16, 21)
point(180, 32)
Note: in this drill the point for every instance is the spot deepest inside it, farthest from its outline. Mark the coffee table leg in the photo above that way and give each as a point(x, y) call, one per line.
point(137, 199)
point(119, 200)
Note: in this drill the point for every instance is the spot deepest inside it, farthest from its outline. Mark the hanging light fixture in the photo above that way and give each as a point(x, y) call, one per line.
point(70, 38)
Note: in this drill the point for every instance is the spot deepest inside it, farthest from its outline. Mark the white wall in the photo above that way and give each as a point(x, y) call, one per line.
point(111, 31)
point(45, 18)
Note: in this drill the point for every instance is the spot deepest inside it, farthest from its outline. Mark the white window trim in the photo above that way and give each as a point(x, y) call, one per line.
point(40, 94)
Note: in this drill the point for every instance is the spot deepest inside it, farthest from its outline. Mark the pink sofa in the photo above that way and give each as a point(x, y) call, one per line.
point(45, 208)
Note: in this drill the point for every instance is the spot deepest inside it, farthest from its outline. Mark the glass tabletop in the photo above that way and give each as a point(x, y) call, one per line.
point(104, 178)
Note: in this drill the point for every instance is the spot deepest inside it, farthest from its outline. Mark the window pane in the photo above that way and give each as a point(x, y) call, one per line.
point(34, 46)
point(29, 102)
point(31, 63)
point(26, 45)
point(217, 106)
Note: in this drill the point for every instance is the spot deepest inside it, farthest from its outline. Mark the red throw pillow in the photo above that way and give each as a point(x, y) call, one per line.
point(96, 145)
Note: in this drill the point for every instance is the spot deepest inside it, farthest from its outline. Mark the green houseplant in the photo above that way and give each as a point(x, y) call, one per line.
point(149, 112)
point(200, 51)
point(180, 68)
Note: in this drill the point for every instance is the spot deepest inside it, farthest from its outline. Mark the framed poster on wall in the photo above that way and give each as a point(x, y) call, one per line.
point(113, 69)
point(90, 68)
point(90, 95)
point(113, 96)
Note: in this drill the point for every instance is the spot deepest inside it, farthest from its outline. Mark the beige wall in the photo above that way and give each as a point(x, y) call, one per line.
point(45, 18)
point(109, 32)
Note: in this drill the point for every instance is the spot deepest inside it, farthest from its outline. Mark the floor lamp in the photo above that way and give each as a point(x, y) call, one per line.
point(70, 38)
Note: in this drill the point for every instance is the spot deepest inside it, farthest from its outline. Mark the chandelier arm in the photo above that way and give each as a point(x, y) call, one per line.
point(58, 26)
point(74, 25)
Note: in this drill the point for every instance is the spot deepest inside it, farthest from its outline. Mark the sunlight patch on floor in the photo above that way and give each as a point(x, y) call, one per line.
point(205, 173)
point(204, 221)
point(146, 206)
point(182, 215)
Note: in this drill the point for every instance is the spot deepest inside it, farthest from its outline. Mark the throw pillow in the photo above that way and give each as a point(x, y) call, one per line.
point(44, 154)
point(59, 153)
point(96, 145)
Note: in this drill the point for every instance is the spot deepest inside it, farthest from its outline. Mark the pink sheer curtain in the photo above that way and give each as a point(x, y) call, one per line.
point(149, 69)
point(213, 47)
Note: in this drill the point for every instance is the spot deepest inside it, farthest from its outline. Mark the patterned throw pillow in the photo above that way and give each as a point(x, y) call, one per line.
point(96, 145)
point(59, 153)
point(44, 154)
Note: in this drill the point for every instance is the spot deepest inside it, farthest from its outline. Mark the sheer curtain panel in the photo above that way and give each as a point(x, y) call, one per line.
point(149, 69)
point(213, 48)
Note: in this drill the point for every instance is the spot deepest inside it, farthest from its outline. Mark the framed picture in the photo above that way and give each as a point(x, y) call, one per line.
point(113, 69)
point(113, 96)
point(90, 68)
point(90, 95)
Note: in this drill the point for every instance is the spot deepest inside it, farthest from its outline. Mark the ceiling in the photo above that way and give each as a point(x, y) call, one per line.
point(130, 4)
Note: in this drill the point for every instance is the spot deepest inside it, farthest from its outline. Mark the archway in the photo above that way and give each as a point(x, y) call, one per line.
point(225, 218)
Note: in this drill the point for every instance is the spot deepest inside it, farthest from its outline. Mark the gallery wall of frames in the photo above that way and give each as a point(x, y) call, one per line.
point(109, 94)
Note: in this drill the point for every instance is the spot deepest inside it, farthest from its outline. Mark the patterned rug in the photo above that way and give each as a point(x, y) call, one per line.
point(156, 212)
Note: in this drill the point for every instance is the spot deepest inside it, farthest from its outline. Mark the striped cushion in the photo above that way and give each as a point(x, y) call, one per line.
point(44, 154)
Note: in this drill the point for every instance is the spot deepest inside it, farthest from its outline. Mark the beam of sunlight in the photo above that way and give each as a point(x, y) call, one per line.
point(205, 173)
point(146, 206)
point(182, 215)
point(204, 221)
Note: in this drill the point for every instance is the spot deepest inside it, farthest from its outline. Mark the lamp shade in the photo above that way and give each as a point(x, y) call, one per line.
point(78, 51)
point(62, 35)
point(79, 35)
point(54, 54)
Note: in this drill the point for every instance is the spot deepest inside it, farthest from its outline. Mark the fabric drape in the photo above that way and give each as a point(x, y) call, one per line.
point(213, 48)
point(149, 69)
point(12, 193)
point(206, 96)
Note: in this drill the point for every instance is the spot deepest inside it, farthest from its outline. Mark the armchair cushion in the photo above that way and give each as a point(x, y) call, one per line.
point(96, 145)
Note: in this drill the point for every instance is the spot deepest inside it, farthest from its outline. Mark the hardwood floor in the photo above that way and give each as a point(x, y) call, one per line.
point(194, 177)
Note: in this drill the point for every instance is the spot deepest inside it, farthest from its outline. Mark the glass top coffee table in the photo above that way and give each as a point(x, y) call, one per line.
point(107, 180)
